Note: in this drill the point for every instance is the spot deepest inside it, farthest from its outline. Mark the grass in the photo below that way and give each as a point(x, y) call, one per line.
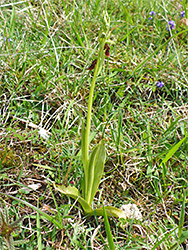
point(46, 48)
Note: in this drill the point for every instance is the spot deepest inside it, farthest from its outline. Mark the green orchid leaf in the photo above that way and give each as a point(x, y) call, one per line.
point(111, 211)
point(75, 194)
point(95, 171)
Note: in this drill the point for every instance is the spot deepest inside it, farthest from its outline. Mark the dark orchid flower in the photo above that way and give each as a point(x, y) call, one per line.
point(92, 66)
point(107, 49)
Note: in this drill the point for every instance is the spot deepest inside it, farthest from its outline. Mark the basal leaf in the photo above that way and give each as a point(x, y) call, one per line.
point(75, 194)
point(95, 171)
point(111, 211)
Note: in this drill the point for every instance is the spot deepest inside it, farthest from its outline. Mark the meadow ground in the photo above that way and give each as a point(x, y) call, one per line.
point(140, 109)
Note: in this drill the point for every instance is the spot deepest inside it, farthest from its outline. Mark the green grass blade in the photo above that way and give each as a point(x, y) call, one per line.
point(76, 32)
point(171, 127)
point(172, 151)
point(149, 151)
point(57, 208)
point(46, 216)
point(182, 215)
point(108, 231)
point(183, 236)
point(128, 33)
point(120, 120)
point(96, 9)
point(163, 239)
point(12, 22)
point(157, 50)
point(39, 236)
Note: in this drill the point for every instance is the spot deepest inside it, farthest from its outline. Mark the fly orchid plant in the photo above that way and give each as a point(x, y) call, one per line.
point(93, 163)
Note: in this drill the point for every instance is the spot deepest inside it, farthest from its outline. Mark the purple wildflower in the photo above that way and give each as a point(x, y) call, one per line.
point(160, 84)
point(152, 13)
point(171, 25)
point(6, 39)
point(183, 13)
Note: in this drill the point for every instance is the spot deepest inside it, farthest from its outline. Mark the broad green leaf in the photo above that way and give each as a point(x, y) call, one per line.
point(74, 193)
point(95, 171)
point(172, 151)
point(111, 211)
point(91, 137)
point(108, 230)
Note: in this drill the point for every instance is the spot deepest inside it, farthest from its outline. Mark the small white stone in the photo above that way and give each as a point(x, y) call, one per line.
point(131, 211)
point(43, 133)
